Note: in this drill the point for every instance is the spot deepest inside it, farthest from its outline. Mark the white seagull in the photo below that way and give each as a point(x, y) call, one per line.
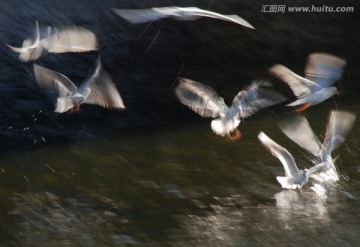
point(206, 102)
point(98, 88)
point(294, 178)
point(66, 39)
point(339, 125)
point(187, 13)
point(321, 71)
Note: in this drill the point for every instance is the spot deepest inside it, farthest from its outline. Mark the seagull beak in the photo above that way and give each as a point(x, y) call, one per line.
point(234, 135)
point(337, 93)
point(302, 108)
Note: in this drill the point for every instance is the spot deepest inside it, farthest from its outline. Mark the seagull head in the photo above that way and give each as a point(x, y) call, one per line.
point(306, 172)
point(241, 111)
point(323, 94)
point(316, 98)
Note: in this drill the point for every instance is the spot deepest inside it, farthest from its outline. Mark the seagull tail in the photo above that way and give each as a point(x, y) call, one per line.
point(63, 104)
point(286, 184)
point(218, 127)
point(222, 126)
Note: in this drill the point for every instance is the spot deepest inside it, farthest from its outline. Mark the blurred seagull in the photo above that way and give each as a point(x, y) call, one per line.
point(188, 13)
point(31, 49)
point(339, 125)
point(30, 44)
point(66, 39)
point(294, 178)
point(98, 88)
point(206, 102)
point(321, 71)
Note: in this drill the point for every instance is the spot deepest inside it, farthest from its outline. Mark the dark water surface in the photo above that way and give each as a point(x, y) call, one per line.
point(155, 174)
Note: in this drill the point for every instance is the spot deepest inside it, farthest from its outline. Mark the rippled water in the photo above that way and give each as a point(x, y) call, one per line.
point(155, 174)
point(178, 185)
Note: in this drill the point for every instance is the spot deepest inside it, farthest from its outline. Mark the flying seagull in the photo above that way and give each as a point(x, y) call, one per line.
point(98, 88)
point(294, 178)
point(322, 70)
point(206, 102)
point(137, 16)
point(66, 39)
point(338, 126)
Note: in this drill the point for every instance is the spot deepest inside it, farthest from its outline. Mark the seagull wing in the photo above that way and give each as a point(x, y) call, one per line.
point(138, 16)
point(256, 97)
point(324, 69)
point(281, 153)
point(317, 167)
point(190, 13)
point(338, 127)
point(103, 91)
point(300, 132)
point(200, 98)
point(54, 83)
point(71, 39)
point(90, 78)
point(299, 85)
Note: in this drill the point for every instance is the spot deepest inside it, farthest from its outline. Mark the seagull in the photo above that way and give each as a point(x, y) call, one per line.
point(338, 126)
point(294, 178)
point(31, 49)
point(30, 44)
point(66, 39)
point(206, 102)
point(98, 88)
point(138, 16)
point(321, 71)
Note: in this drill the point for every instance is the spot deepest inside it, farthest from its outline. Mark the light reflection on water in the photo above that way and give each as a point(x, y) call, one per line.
point(177, 185)
point(305, 208)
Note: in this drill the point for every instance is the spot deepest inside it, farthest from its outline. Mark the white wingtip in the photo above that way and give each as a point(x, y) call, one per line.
point(237, 19)
point(262, 136)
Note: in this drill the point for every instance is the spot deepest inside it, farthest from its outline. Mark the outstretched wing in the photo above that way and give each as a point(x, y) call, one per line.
point(138, 16)
point(200, 98)
point(281, 153)
point(318, 167)
point(255, 98)
point(299, 85)
point(324, 69)
point(103, 91)
point(71, 39)
point(338, 127)
point(300, 132)
point(190, 13)
point(187, 13)
point(54, 84)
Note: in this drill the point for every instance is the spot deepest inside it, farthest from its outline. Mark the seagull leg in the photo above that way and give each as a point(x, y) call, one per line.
point(76, 108)
point(234, 135)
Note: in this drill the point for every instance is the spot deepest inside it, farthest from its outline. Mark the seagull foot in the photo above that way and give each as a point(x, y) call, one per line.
point(234, 135)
